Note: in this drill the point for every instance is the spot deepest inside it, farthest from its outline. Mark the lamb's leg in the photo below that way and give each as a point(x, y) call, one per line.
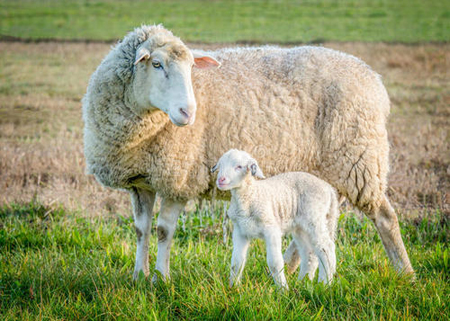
point(292, 257)
point(386, 222)
point(167, 223)
point(325, 251)
point(316, 235)
point(275, 258)
point(142, 202)
point(308, 258)
point(239, 256)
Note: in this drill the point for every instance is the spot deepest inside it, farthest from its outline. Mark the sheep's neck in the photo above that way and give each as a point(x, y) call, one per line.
point(142, 129)
point(242, 195)
point(142, 126)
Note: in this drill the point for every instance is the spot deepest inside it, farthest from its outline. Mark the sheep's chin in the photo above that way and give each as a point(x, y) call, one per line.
point(186, 122)
point(177, 123)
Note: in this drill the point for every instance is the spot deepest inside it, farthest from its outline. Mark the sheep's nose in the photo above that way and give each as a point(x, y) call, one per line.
point(184, 112)
point(222, 179)
point(188, 114)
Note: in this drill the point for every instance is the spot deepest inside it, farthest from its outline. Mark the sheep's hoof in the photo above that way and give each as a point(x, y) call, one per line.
point(139, 275)
point(158, 277)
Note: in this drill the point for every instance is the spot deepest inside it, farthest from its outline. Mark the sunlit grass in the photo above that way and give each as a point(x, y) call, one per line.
point(231, 20)
point(55, 264)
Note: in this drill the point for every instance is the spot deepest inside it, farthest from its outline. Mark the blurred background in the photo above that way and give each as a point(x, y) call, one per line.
point(279, 21)
point(49, 49)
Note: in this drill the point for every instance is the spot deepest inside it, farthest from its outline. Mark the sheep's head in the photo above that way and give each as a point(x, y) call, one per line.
point(234, 167)
point(163, 78)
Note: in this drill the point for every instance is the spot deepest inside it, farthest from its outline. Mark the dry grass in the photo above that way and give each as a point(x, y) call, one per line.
point(41, 85)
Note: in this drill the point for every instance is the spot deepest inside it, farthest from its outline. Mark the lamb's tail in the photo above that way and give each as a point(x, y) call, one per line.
point(333, 214)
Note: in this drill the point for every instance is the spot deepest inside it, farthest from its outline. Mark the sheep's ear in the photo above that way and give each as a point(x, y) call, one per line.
point(256, 171)
point(141, 54)
point(214, 168)
point(203, 61)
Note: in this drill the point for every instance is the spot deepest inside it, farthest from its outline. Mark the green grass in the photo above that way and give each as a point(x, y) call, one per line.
point(57, 265)
point(278, 21)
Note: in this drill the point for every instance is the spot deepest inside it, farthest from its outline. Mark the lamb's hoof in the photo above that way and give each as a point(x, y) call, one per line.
point(283, 288)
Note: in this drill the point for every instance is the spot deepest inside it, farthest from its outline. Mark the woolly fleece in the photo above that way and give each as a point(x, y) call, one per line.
point(306, 109)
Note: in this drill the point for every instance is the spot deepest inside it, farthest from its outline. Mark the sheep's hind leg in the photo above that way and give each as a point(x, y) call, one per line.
point(142, 202)
point(386, 222)
point(364, 187)
point(167, 223)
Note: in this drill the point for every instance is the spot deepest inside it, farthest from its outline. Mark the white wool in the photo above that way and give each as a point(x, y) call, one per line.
point(296, 203)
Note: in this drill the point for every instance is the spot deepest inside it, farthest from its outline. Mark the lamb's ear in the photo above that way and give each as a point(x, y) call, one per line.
point(214, 168)
point(142, 54)
point(203, 61)
point(256, 171)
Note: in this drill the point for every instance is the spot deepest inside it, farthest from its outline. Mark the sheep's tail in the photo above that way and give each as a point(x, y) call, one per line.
point(333, 214)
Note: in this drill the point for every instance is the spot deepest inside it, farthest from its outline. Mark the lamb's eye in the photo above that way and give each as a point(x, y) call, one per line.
point(156, 64)
point(239, 167)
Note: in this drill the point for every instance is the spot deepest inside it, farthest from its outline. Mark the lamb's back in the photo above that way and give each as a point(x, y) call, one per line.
point(294, 194)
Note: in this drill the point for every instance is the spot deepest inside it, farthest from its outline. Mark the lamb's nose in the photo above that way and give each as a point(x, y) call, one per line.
point(222, 179)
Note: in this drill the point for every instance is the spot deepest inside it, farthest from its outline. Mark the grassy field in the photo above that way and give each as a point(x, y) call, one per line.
point(56, 265)
point(277, 21)
point(67, 244)
point(76, 261)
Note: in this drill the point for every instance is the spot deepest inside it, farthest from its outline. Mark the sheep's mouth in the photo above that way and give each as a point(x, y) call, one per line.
point(182, 123)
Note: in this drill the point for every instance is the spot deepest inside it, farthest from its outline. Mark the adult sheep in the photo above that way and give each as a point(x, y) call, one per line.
point(306, 109)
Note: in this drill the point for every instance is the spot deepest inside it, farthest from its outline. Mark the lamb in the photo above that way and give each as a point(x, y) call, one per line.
point(296, 202)
point(157, 115)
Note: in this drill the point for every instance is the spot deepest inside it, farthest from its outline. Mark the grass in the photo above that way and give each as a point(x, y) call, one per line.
point(279, 21)
point(57, 265)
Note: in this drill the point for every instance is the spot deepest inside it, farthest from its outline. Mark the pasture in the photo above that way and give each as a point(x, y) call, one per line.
point(57, 264)
point(67, 244)
point(276, 21)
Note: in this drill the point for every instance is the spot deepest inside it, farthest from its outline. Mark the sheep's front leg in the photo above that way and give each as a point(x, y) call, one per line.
point(167, 223)
point(239, 256)
point(142, 202)
point(275, 258)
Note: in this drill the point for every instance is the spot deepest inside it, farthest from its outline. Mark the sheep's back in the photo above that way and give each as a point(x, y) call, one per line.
point(289, 107)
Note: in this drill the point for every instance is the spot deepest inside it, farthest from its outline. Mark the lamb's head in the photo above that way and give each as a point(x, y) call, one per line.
point(163, 77)
point(234, 167)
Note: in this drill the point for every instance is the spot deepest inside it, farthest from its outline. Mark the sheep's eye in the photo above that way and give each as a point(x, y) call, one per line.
point(156, 65)
point(239, 167)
